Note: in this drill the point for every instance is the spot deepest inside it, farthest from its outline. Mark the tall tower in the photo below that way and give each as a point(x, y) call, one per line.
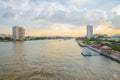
point(89, 31)
point(18, 33)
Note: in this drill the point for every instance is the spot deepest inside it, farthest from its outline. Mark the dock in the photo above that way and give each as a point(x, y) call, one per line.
point(113, 56)
point(94, 49)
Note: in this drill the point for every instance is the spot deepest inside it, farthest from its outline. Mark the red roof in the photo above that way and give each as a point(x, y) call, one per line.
point(106, 48)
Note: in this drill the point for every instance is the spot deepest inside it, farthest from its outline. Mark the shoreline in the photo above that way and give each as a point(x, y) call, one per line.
point(6, 41)
point(113, 56)
point(30, 40)
point(81, 44)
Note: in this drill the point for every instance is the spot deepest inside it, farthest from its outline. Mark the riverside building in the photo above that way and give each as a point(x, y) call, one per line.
point(89, 31)
point(18, 33)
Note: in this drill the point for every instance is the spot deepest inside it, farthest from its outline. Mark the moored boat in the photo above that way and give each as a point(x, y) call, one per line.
point(86, 54)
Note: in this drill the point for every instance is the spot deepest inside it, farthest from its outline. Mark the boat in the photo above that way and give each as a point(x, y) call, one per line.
point(86, 54)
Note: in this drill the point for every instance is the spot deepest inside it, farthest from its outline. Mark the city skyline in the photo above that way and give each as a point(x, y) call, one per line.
point(60, 17)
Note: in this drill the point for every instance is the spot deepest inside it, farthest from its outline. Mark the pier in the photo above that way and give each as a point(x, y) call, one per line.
point(94, 49)
point(113, 56)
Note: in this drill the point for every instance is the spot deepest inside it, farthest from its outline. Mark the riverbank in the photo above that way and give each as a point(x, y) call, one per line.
point(39, 38)
point(6, 41)
point(81, 43)
point(112, 56)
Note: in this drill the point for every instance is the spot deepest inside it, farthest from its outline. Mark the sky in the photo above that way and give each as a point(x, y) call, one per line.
point(60, 17)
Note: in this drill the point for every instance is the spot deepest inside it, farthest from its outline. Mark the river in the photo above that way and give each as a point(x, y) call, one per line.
point(53, 60)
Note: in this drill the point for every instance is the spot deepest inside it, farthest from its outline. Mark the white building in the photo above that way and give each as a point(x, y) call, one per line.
point(18, 33)
point(89, 31)
point(3, 35)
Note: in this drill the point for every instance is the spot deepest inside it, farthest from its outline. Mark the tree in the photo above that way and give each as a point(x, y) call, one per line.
point(1, 38)
point(7, 38)
point(92, 39)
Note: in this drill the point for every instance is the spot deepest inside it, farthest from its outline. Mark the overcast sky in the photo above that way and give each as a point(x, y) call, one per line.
point(60, 17)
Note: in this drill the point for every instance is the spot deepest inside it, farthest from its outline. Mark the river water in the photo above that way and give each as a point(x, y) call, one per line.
point(53, 60)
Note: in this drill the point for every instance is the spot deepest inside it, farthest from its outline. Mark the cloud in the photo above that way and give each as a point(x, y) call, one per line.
point(81, 1)
point(115, 16)
point(115, 19)
point(13, 8)
point(116, 10)
point(106, 28)
point(8, 13)
point(74, 15)
point(52, 12)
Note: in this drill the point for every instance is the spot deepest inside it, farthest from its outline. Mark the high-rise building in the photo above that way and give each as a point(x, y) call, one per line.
point(89, 31)
point(18, 33)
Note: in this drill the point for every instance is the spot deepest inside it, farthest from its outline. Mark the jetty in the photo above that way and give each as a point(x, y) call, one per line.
point(94, 49)
point(113, 56)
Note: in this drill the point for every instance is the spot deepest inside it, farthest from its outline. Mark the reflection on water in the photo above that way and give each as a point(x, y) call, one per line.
point(53, 60)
